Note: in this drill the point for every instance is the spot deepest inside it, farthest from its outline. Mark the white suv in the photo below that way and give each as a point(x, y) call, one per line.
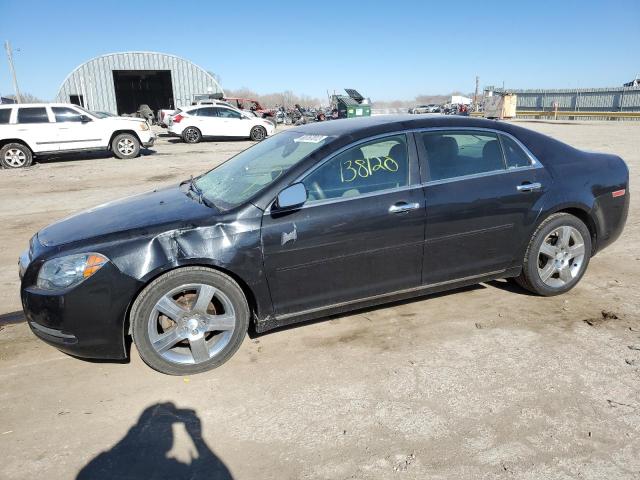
point(39, 129)
point(198, 121)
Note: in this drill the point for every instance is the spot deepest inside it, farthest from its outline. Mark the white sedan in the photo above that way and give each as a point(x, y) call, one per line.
point(194, 123)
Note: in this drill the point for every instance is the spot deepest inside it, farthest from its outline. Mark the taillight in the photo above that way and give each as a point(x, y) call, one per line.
point(177, 118)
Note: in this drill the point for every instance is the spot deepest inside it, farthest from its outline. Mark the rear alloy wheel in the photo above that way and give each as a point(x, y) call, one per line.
point(191, 135)
point(189, 320)
point(557, 256)
point(258, 134)
point(15, 155)
point(126, 145)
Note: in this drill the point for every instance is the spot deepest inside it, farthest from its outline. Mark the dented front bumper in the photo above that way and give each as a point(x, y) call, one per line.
point(87, 320)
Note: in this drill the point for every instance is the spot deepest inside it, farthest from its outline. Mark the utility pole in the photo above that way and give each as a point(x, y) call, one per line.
point(7, 47)
point(475, 97)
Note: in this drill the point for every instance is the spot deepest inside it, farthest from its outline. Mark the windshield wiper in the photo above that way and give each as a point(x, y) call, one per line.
point(198, 194)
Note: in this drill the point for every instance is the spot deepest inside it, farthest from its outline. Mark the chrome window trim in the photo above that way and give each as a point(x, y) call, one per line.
point(532, 157)
point(329, 201)
point(535, 163)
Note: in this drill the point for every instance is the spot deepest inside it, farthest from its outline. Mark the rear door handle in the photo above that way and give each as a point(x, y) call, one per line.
point(529, 187)
point(403, 207)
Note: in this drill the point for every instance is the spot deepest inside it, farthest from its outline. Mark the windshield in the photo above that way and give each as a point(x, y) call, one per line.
point(252, 170)
point(102, 114)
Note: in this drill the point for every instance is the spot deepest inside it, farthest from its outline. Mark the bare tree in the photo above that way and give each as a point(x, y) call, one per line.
point(26, 98)
point(286, 98)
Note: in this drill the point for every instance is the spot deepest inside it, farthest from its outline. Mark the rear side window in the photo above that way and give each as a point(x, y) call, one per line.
point(65, 114)
point(457, 154)
point(32, 115)
point(207, 112)
point(514, 155)
point(5, 114)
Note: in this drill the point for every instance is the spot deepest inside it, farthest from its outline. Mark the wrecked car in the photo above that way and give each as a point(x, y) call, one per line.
point(319, 220)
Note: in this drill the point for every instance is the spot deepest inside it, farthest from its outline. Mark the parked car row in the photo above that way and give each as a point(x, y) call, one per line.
point(430, 108)
point(45, 129)
point(447, 109)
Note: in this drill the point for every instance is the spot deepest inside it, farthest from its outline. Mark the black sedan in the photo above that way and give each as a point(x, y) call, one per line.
point(318, 220)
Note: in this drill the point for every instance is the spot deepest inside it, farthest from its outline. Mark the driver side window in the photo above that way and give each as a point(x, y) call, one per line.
point(374, 166)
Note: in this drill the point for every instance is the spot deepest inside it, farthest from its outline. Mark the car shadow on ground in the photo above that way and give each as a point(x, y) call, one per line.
point(509, 285)
point(93, 155)
point(12, 317)
point(211, 139)
point(503, 284)
point(361, 311)
point(145, 451)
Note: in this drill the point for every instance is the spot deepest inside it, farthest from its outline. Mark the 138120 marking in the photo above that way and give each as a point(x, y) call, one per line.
point(352, 169)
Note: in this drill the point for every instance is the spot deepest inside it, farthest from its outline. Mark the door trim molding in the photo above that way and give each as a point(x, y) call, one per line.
point(388, 294)
point(70, 141)
point(496, 228)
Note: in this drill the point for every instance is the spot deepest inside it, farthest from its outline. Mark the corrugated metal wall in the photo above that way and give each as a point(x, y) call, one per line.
point(94, 79)
point(622, 99)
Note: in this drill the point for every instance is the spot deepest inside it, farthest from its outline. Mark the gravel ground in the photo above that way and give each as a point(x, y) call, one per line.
point(483, 382)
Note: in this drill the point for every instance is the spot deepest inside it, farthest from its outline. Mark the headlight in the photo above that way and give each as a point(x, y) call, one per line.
point(65, 272)
point(144, 126)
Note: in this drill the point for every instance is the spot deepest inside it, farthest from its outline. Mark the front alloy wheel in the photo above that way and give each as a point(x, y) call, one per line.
point(189, 320)
point(126, 145)
point(191, 323)
point(258, 133)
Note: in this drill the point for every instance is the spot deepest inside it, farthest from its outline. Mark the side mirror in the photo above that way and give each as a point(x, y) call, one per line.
point(84, 118)
point(293, 196)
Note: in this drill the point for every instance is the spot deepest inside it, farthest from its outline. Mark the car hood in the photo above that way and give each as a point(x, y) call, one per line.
point(148, 211)
point(122, 120)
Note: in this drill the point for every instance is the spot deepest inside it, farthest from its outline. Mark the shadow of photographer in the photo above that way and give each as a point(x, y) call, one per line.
point(144, 451)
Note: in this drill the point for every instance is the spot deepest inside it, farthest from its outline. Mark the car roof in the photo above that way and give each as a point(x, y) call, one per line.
point(43, 104)
point(205, 105)
point(366, 126)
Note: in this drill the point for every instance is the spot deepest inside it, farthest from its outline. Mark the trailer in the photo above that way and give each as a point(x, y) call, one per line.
point(500, 105)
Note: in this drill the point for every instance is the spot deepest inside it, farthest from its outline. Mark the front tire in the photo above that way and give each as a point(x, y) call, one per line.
point(189, 320)
point(557, 256)
point(191, 135)
point(125, 146)
point(15, 155)
point(258, 134)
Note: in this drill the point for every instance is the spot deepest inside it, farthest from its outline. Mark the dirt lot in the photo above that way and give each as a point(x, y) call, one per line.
point(487, 382)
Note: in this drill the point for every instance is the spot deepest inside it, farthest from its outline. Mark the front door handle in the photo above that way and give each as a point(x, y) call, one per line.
point(529, 187)
point(403, 207)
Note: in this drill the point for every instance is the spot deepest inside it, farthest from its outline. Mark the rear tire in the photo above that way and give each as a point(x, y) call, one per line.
point(191, 135)
point(15, 155)
point(557, 256)
point(189, 320)
point(125, 145)
point(258, 133)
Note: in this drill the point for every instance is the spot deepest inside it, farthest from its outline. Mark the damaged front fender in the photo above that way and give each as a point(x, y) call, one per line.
point(230, 244)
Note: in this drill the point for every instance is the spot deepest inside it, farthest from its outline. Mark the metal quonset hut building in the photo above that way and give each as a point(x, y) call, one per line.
point(120, 82)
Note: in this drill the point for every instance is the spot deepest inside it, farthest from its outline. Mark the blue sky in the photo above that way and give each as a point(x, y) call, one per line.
point(387, 50)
